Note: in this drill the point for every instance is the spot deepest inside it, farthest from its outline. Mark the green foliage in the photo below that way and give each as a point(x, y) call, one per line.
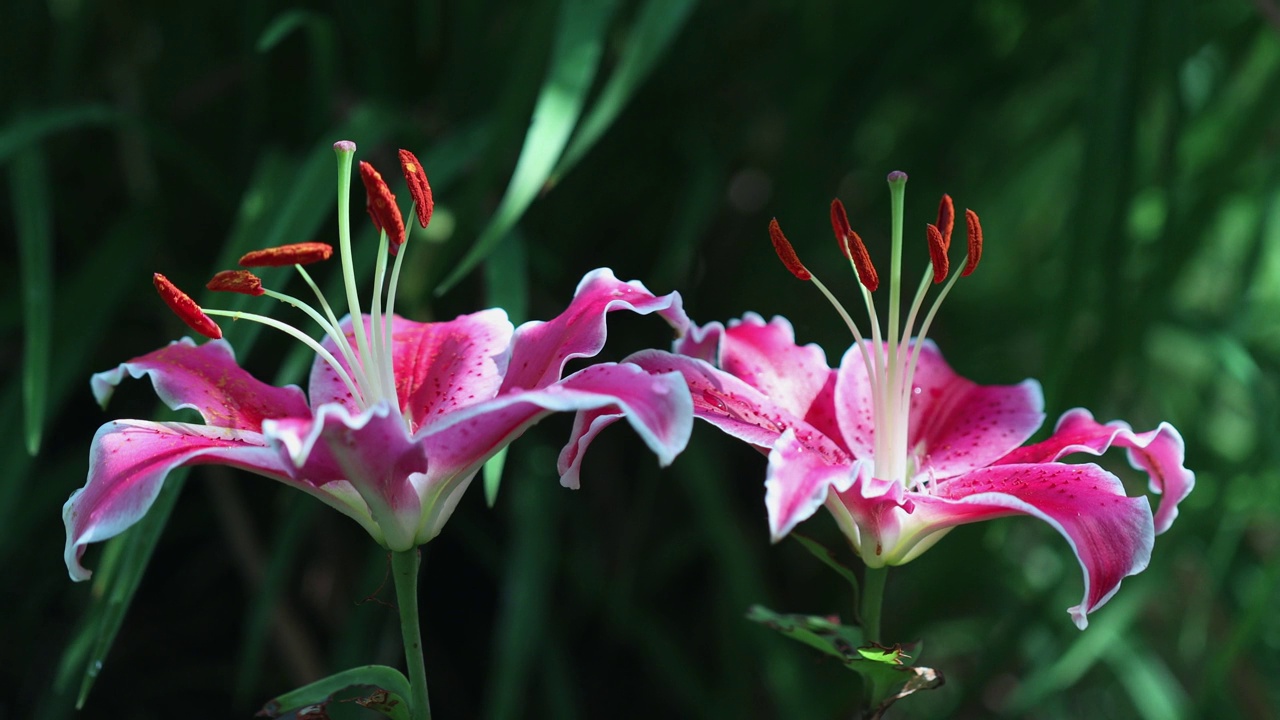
point(1120, 153)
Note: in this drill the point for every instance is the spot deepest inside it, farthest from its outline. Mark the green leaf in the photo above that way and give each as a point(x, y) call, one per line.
point(388, 698)
point(822, 553)
point(882, 667)
point(28, 130)
point(33, 216)
point(659, 23)
point(574, 60)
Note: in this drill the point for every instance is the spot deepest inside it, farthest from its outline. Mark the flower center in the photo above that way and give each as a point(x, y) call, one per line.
point(366, 367)
point(890, 360)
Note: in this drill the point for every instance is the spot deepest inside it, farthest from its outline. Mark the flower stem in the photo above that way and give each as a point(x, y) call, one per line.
point(872, 598)
point(404, 568)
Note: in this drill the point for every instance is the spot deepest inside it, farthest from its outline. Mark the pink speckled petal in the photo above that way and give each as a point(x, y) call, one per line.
point(1111, 534)
point(657, 406)
point(128, 462)
point(737, 408)
point(372, 450)
point(207, 379)
point(797, 483)
point(541, 349)
point(1160, 453)
point(702, 342)
point(439, 366)
point(956, 424)
point(766, 357)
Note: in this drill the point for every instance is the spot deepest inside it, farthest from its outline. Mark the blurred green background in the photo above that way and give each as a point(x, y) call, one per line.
point(1123, 157)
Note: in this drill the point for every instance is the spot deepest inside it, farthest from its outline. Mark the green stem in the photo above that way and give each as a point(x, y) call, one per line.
point(404, 568)
point(872, 599)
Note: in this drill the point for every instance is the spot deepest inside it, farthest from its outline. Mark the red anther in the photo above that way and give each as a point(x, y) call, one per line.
point(419, 188)
point(862, 262)
point(946, 220)
point(786, 253)
point(295, 254)
point(938, 253)
point(975, 242)
point(236, 281)
point(185, 308)
point(382, 206)
point(840, 226)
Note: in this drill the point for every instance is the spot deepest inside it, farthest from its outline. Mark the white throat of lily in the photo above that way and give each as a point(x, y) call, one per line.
point(366, 367)
point(890, 360)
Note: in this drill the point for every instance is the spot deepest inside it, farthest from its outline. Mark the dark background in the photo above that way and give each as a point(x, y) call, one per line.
point(1122, 155)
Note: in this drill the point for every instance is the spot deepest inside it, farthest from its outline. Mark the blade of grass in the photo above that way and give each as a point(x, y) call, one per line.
point(574, 60)
point(657, 25)
point(28, 130)
point(33, 216)
point(507, 279)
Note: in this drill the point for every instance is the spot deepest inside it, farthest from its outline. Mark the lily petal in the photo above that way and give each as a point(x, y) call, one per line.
point(1111, 534)
point(797, 483)
point(541, 349)
point(439, 366)
point(957, 424)
point(206, 378)
point(128, 462)
point(1160, 453)
point(371, 450)
point(658, 407)
point(766, 357)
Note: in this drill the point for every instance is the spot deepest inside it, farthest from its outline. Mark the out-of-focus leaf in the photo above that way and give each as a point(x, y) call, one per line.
point(822, 553)
point(33, 216)
point(507, 279)
point(658, 24)
point(574, 60)
point(388, 698)
point(27, 130)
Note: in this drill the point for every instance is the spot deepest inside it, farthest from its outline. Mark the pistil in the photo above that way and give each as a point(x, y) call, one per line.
point(891, 363)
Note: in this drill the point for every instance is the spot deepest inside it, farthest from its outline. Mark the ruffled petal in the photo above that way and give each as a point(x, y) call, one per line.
point(702, 342)
point(128, 462)
point(371, 450)
point(956, 425)
point(1111, 534)
point(541, 349)
point(206, 378)
point(658, 408)
point(737, 408)
point(1160, 453)
point(766, 357)
point(797, 483)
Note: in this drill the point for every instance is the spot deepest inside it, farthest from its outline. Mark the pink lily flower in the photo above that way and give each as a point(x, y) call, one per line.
point(400, 415)
point(899, 448)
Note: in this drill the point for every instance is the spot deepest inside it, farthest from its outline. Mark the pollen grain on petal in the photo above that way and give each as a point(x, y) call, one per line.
point(185, 308)
point(382, 207)
point(938, 254)
point(975, 242)
point(419, 188)
point(862, 262)
point(236, 281)
point(840, 226)
point(294, 254)
point(946, 220)
point(786, 253)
